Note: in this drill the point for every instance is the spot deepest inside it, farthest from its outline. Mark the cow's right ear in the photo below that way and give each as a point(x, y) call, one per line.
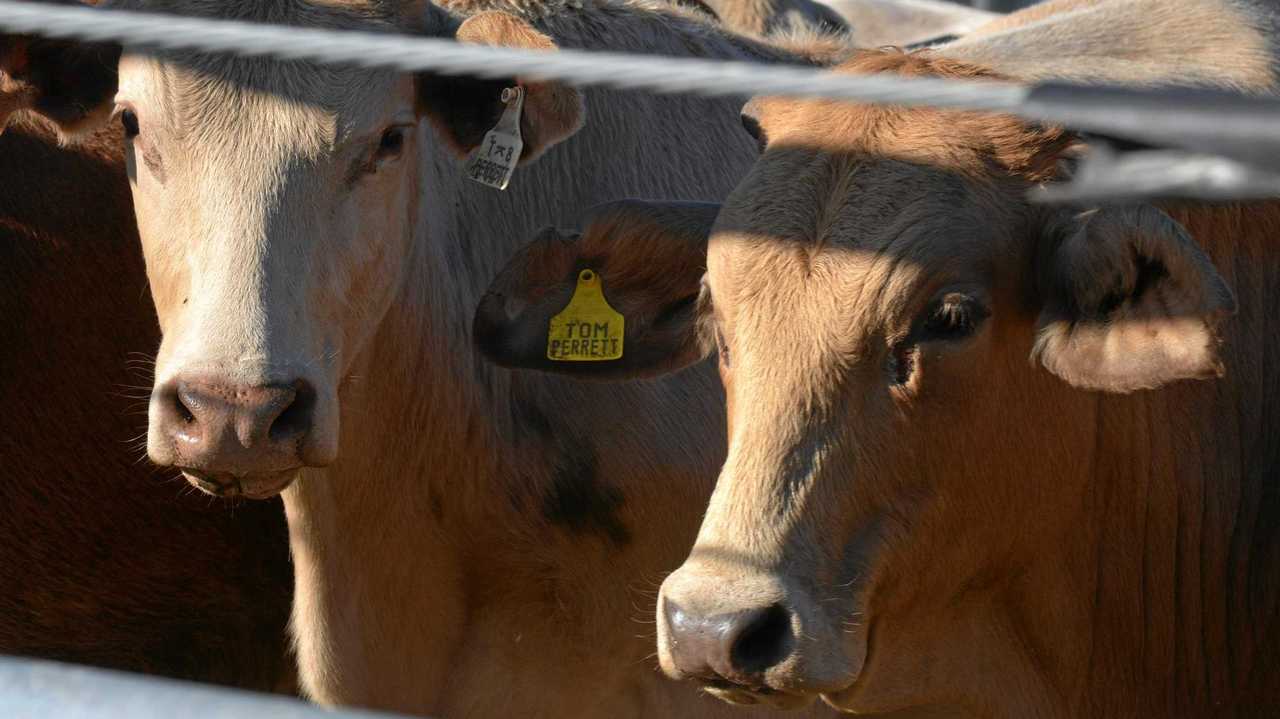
point(1131, 303)
point(636, 266)
point(464, 109)
point(71, 84)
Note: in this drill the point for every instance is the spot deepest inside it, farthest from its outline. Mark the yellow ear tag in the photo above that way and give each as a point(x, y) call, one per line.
point(587, 329)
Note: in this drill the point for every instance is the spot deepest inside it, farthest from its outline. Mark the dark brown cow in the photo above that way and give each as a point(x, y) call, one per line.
point(103, 561)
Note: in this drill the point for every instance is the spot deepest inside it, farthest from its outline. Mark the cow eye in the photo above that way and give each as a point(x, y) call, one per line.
point(951, 318)
point(129, 120)
point(391, 144)
point(954, 316)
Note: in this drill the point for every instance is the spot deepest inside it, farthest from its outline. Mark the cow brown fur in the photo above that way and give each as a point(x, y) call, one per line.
point(106, 561)
point(986, 457)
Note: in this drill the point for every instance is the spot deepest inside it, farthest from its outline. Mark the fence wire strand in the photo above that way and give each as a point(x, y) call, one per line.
point(417, 54)
point(1246, 129)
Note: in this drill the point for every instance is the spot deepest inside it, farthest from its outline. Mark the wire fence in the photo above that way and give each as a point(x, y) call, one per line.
point(1237, 128)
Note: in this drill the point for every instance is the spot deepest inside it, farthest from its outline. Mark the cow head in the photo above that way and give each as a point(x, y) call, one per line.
point(278, 205)
point(911, 354)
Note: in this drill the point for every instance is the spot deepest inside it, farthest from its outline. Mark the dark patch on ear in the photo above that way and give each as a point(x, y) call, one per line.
point(579, 501)
point(464, 109)
point(1149, 272)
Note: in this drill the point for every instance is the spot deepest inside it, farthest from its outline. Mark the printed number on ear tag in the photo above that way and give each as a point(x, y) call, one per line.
point(493, 162)
point(587, 329)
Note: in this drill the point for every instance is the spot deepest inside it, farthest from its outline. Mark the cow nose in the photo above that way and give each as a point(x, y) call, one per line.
point(237, 429)
point(738, 646)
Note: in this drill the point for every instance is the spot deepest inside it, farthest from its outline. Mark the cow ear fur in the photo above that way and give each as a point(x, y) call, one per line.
point(1130, 303)
point(650, 258)
point(464, 109)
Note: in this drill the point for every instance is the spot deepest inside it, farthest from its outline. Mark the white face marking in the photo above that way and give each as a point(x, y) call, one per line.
point(274, 207)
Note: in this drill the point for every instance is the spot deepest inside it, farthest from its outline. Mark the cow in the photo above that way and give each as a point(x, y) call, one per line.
point(986, 457)
point(465, 540)
point(104, 561)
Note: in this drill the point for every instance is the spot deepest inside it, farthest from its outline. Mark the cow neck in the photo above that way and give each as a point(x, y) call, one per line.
point(487, 482)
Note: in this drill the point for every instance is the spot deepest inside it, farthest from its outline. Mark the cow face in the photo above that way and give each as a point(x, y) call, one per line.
point(275, 208)
point(875, 288)
point(278, 206)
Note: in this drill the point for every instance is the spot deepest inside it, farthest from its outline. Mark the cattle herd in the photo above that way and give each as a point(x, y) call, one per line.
point(807, 395)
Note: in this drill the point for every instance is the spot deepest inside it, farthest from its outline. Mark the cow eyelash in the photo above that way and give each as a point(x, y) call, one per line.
point(955, 316)
point(951, 318)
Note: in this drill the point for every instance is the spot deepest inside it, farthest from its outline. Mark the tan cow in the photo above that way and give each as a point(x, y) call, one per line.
point(466, 542)
point(969, 470)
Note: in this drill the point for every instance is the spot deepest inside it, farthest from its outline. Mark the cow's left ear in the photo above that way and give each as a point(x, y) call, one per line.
point(618, 300)
point(71, 84)
point(464, 109)
point(1131, 302)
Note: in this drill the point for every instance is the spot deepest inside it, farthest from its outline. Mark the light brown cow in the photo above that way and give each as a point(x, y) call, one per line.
point(968, 468)
point(102, 561)
point(465, 541)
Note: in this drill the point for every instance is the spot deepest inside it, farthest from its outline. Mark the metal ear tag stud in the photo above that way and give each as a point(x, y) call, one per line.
point(493, 162)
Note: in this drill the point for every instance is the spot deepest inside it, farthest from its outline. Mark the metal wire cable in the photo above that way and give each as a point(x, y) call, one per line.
point(416, 54)
point(1244, 129)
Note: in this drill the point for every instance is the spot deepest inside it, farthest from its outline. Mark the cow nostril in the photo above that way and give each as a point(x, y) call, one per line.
point(182, 404)
point(295, 420)
point(764, 642)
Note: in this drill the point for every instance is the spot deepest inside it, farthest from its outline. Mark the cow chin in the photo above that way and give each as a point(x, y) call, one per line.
point(254, 486)
point(760, 697)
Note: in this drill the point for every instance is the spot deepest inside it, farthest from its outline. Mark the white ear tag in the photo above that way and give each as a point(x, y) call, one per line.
point(493, 162)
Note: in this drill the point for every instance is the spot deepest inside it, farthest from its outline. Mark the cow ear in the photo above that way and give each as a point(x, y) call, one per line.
point(70, 84)
point(1131, 302)
point(647, 260)
point(465, 109)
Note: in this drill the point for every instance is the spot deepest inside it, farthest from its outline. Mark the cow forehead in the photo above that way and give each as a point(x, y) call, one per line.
point(207, 100)
point(848, 224)
point(337, 14)
point(810, 280)
point(196, 92)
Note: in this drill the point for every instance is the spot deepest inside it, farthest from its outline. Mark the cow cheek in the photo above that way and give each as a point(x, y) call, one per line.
point(377, 256)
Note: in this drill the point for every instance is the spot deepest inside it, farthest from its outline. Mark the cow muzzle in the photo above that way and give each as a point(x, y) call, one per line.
point(236, 440)
point(747, 639)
